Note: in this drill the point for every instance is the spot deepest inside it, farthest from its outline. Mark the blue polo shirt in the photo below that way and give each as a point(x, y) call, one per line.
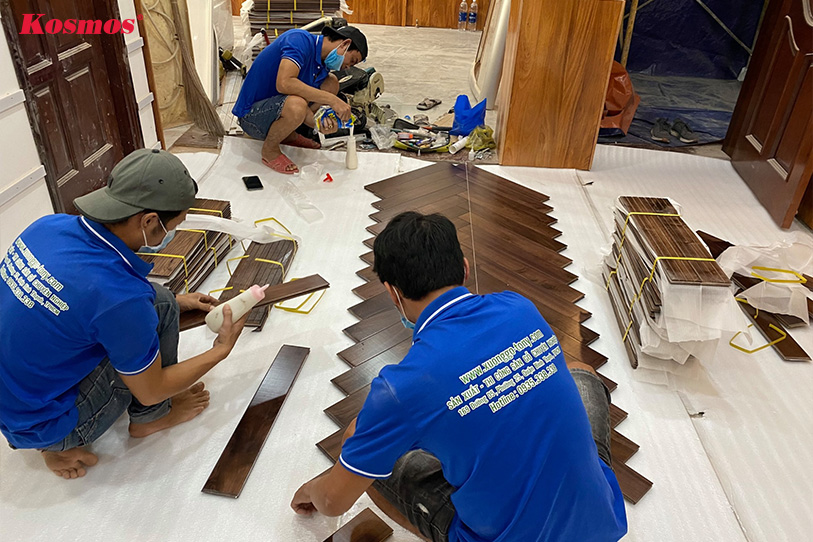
point(71, 294)
point(302, 48)
point(485, 389)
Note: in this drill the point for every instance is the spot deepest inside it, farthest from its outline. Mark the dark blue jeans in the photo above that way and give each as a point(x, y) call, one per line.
point(419, 491)
point(103, 397)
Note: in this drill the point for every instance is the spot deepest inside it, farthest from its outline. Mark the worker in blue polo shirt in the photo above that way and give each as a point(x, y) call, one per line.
point(84, 335)
point(288, 81)
point(481, 432)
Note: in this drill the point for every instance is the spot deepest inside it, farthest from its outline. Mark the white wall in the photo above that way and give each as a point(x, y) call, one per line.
point(23, 192)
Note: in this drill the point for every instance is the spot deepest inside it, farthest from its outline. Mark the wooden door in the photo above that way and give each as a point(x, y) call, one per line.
point(70, 96)
point(770, 139)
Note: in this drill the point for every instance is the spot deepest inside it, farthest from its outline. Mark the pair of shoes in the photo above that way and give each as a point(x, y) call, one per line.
point(661, 131)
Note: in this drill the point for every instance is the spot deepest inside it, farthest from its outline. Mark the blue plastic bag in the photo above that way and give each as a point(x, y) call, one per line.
point(466, 117)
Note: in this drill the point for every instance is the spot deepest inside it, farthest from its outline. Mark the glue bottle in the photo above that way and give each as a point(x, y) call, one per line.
point(240, 305)
point(351, 161)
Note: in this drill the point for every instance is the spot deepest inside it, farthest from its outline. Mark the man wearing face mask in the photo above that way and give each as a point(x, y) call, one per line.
point(289, 81)
point(484, 432)
point(84, 335)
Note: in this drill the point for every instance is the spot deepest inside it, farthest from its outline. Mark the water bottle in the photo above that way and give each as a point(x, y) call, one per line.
point(473, 16)
point(462, 15)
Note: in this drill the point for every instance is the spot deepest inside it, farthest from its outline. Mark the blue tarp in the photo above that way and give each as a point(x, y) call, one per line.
point(678, 37)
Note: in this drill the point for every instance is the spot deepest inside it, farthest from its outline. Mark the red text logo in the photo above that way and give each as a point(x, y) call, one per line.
point(34, 24)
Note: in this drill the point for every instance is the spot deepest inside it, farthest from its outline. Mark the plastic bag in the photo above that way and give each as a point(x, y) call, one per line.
point(297, 199)
point(620, 103)
point(481, 138)
point(383, 137)
point(466, 117)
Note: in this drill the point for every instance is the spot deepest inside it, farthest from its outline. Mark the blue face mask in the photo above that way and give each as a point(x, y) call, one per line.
point(157, 248)
point(334, 60)
point(407, 324)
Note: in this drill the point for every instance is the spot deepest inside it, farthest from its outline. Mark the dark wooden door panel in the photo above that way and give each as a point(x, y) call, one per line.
point(770, 139)
point(77, 123)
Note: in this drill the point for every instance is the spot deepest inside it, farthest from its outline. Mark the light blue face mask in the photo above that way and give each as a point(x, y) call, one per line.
point(157, 248)
point(407, 324)
point(334, 60)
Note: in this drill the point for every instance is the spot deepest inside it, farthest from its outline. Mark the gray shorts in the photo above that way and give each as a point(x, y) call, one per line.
point(263, 114)
point(419, 491)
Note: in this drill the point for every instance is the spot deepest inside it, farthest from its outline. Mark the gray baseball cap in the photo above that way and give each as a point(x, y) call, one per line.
point(144, 179)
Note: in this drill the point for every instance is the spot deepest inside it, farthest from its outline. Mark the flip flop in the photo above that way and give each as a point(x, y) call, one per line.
point(428, 103)
point(280, 164)
point(301, 141)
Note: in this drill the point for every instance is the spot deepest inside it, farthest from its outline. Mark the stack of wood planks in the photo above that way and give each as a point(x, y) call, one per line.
point(508, 237)
point(282, 15)
point(261, 264)
point(652, 248)
point(192, 255)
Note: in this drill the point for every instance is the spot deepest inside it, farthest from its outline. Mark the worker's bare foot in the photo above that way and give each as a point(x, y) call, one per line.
point(185, 406)
point(70, 463)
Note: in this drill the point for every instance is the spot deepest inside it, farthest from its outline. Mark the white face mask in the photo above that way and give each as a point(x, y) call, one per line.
point(404, 320)
point(168, 236)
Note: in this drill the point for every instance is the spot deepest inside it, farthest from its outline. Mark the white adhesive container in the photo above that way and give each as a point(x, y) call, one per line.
point(240, 305)
point(351, 160)
point(458, 145)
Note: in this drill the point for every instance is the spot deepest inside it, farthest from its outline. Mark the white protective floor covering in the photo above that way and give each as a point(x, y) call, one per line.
point(739, 471)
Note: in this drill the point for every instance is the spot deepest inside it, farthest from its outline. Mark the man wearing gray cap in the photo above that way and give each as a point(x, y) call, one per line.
point(84, 334)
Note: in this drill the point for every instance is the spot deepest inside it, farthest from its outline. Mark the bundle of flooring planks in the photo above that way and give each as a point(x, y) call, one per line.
point(192, 255)
point(261, 264)
point(282, 15)
point(653, 254)
point(508, 237)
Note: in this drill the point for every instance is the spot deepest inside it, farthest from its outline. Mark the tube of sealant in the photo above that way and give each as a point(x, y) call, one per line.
point(458, 145)
point(240, 305)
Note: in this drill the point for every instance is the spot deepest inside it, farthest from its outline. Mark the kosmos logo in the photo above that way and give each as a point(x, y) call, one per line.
point(33, 23)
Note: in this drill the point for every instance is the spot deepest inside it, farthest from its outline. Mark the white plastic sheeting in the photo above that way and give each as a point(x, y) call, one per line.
point(739, 471)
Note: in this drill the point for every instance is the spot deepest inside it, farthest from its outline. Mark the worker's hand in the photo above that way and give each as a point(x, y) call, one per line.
point(301, 502)
point(341, 108)
point(196, 301)
point(229, 331)
point(329, 126)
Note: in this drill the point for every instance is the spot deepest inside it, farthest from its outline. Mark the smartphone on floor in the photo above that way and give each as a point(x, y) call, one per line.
point(252, 182)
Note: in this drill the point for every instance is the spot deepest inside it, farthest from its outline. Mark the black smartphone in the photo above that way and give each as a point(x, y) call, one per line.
point(252, 182)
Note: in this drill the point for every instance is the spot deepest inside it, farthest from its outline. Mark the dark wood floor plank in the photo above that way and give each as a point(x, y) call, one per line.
point(556, 309)
point(369, 242)
point(526, 257)
point(368, 257)
point(539, 221)
point(232, 469)
point(617, 415)
point(611, 386)
point(524, 247)
point(411, 179)
point(507, 191)
point(772, 330)
point(485, 178)
point(273, 294)
point(371, 289)
point(621, 447)
point(331, 445)
point(633, 485)
point(367, 273)
point(370, 326)
point(421, 193)
point(365, 527)
point(372, 306)
point(348, 408)
point(375, 344)
point(358, 377)
point(450, 207)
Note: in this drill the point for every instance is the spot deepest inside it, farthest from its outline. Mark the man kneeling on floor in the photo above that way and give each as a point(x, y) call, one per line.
point(481, 432)
point(84, 334)
point(289, 81)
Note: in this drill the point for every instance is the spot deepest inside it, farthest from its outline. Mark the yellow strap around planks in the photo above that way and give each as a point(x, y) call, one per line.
point(185, 269)
point(800, 279)
point(624, 237)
